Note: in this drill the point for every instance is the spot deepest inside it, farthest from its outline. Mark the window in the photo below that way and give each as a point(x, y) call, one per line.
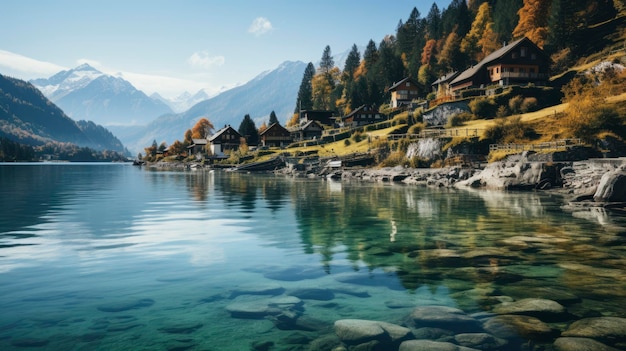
point(533, 56)
point(408, 84)
point(523, 51)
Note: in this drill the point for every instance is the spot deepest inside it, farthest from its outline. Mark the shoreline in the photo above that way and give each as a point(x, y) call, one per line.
point(589, 183)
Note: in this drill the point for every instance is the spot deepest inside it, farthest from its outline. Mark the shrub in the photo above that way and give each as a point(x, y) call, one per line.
point(396, 158)
point(483, 107)
point(529, 105)
point(515, 104)
point(416, 128)
point(509, 130)
point(459, 119)
point(502, 111)
point(347, 142)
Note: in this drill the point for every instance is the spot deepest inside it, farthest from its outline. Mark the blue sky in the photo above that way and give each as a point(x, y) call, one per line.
point(173, 46)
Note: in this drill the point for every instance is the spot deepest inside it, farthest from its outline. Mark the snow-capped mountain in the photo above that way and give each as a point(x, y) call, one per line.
point(184, 101)
point(65, 82)
point(84, 93)
point(275, 90)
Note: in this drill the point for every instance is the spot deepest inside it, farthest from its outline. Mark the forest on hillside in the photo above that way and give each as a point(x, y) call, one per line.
point(425, 47)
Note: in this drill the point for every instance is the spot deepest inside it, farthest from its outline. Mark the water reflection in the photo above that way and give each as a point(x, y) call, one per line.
point(187, 240)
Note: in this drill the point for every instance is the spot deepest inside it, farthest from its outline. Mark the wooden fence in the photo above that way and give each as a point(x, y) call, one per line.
point(559, 145)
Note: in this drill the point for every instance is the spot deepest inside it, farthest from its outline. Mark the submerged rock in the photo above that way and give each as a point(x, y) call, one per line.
point(515, 327)
point(606, 329)
point(313, 294)
point(443, 317)
point(428, 345)
point(481, 341)
point(360, 331)
point(580, 344)
point(181, 328)
point(532, 307)
point(256, 308)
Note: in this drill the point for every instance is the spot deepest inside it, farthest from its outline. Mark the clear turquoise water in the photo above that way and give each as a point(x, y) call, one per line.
point(115, 257)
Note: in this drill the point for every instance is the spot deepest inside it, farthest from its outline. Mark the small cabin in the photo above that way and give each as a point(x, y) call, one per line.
point(275, 136)
point(321, 116)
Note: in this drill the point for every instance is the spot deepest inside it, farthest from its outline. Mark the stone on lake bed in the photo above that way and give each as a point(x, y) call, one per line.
point(358, 331)
point(255, 308)
point(125, 305)
point(313, 294)
point(532, 307)
point(443, 317)
point(481, 341)
point(518, 326)
point(560, 295)
point(580, 344)
point(429, 345)
point(606, 329)
point(295, 273)
point(270, 289)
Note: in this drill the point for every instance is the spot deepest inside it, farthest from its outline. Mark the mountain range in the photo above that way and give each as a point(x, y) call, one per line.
point(28, 117)
point(275, 90)
point(183, 101)
point(84, 93)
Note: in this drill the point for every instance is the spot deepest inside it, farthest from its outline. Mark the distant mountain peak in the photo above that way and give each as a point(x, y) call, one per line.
point(85, 67)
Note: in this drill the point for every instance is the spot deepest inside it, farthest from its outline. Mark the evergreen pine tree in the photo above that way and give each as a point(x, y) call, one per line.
point(327, 63)
point(248, 130)
point(505, 17)
point(273, 118)
point(352, 63)
point(305, 93)
point(433, 22)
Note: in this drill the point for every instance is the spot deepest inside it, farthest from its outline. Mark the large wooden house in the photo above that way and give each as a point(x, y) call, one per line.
point(225, 139)
point(403, 92)
point(361, 116)
point(275, 136)
point(520, 62)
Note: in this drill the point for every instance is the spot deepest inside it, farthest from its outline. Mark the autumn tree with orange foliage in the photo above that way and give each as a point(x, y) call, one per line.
point(202, 129)
point(533, 21)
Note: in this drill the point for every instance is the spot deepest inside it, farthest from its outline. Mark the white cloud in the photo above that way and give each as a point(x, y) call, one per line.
point(25, 67)
point(202, 59)
point(260, 26)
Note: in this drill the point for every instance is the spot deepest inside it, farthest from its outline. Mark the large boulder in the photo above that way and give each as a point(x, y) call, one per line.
point(612, 187)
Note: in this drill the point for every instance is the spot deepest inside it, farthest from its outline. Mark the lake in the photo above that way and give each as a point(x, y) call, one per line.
point(117, 257)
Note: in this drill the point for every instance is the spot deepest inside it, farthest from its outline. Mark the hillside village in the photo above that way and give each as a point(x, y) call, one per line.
point(527, 92)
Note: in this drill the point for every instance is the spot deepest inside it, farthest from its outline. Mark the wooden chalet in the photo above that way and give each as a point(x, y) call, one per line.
point(403, 92)
point(363, 115)
point(225, 139)
point(520, 62)
point(198, 146)
point(309, 131)
point(441, 87)
point(275, 136)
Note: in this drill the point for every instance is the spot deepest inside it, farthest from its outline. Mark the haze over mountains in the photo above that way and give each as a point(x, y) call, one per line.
point(84, 93)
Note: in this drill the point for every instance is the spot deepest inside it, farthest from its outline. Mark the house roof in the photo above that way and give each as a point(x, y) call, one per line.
point(360, 109)
point(309, 123)
point(274, 126)
point(447, 78)
point(199, 141)
point(222, 131)
point(401, 82)
point(492, 57)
